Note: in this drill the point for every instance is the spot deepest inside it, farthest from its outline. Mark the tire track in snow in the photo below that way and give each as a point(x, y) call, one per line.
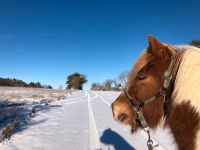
point(76, 100)
point(105, 101)
point(69, 103)
point(94, 137)
point(79, 98)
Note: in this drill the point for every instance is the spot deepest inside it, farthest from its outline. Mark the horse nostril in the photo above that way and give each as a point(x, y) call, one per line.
point(122, 117)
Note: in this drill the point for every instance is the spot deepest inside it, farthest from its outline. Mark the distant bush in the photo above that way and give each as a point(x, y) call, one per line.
point(76, 81)
point(19, 83)
point(47, 86)
point(195, 43)
point(35, 85)
point(108, 85)
point(97, 87)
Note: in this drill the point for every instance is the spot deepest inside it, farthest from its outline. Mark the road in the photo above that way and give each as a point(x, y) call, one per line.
point(81, 122)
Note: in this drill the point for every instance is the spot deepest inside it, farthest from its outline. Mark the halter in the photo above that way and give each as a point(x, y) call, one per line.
point(137, 105)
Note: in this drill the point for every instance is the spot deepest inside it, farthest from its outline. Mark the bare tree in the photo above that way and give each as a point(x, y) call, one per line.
point(116, 86)
point(108, 84)
point(112, 85)
point(97, 87)
point(123, 78)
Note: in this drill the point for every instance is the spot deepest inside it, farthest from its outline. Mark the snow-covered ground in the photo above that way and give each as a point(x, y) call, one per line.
point(19, 105)
point(82, 121)
point(29, 95)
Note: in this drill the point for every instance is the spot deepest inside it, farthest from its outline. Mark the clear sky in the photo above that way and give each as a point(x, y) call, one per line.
point(46, 40)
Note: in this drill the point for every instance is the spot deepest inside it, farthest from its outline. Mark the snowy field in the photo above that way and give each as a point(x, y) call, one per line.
point(81, 120)
point(19, 105)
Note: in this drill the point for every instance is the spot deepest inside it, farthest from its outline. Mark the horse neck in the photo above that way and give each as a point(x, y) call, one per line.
point(184, 111)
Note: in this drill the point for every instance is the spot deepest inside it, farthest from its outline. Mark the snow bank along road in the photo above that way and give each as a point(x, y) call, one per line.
point(81, 122)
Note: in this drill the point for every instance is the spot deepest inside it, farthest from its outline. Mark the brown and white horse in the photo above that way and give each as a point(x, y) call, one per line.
point(181, 106)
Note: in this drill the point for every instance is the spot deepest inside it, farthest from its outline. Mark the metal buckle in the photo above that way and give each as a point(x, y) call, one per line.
point(146, 129)
point(137, 108)
point(163, 92)
point(167, 76)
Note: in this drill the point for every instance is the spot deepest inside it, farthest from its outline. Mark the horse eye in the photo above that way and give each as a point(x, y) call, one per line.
point(141, 77)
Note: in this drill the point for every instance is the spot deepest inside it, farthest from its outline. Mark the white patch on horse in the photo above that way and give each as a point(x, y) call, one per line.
point(161, 133)
point(187, 84)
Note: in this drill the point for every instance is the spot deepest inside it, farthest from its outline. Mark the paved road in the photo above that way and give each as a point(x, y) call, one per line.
point(81, 122)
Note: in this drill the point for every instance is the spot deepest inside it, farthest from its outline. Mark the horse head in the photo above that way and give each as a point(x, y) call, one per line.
point(145, 80)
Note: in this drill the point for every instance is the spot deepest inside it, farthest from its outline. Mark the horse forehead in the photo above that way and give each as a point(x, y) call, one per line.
point(144, 59)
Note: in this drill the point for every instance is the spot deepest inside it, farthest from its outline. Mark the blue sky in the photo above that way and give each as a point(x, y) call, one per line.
point(46, 40)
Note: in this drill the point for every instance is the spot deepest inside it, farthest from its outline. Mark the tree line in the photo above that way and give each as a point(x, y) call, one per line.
point(117, 84)
point(74, 81)
point(19, 83)
point(77, 80)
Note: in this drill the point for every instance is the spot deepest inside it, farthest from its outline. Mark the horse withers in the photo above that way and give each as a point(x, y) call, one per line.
point(164, 85)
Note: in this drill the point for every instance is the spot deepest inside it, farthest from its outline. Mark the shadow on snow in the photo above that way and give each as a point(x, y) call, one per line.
point(110, 137)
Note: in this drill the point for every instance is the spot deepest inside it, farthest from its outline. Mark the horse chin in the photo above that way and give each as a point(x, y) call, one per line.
point(134, 129)
point(134, 126)
point(125, 122)
point(131, 123)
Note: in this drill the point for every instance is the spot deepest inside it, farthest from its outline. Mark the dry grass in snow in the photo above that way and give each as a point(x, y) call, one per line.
point(18, 105)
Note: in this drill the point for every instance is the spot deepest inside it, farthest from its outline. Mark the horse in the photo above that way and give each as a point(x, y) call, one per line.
point(163, 88)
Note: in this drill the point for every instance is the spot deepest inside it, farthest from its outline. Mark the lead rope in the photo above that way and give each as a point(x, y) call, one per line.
point(145, 127)
point(150, 141)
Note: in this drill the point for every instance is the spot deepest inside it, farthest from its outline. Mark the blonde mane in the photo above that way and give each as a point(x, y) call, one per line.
point(187, 83)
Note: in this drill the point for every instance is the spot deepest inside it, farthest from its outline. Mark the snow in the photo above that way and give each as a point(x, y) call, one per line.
point(82, 120)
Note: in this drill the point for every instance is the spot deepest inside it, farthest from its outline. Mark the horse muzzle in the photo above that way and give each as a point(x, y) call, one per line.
point(117, 114)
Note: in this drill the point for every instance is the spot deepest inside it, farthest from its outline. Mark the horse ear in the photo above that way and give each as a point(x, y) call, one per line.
point(155, 47)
